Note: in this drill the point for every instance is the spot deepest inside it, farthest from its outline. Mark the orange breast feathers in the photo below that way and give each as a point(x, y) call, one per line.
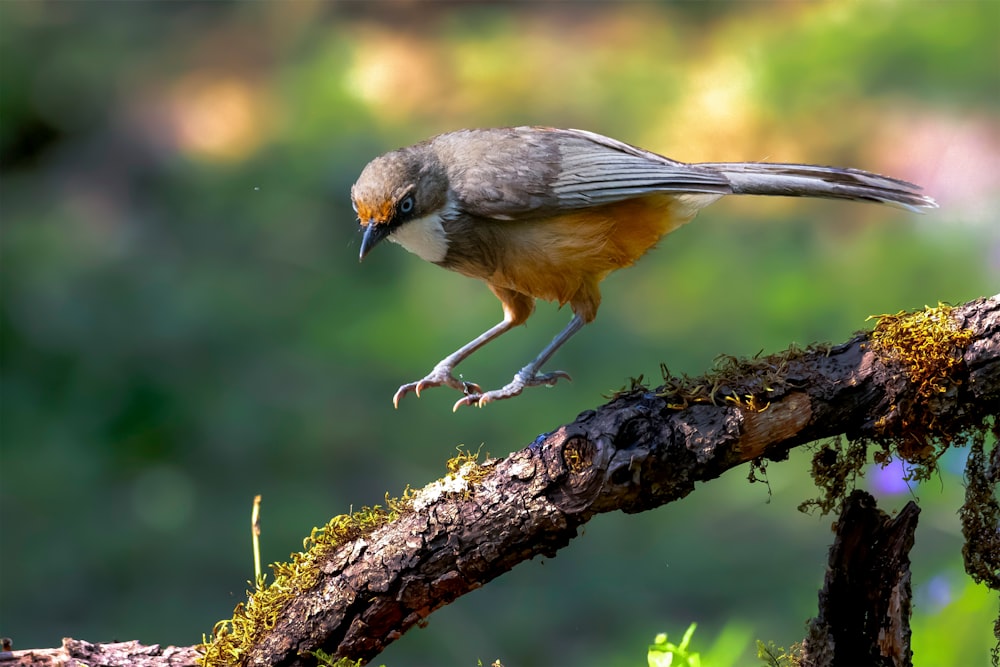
point(564, 257)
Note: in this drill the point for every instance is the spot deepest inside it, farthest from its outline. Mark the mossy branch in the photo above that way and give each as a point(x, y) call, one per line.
point(916, 385)
point(909, 388)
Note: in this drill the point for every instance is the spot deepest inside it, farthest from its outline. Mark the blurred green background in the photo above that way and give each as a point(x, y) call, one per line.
point(185, 324)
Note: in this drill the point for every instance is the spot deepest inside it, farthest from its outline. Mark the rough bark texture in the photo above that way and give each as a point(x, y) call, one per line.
point(864, 607)
point(77, 653)
point(632, 454)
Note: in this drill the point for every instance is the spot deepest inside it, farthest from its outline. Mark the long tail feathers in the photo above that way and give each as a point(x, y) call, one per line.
point(803, 180)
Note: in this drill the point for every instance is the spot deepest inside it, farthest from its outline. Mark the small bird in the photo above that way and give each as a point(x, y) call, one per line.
point(546, 213)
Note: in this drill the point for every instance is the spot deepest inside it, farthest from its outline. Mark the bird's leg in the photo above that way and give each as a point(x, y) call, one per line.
point(529, 375)
point(442, 372)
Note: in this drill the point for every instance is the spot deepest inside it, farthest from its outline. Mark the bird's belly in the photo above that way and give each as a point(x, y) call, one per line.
point(553, 258)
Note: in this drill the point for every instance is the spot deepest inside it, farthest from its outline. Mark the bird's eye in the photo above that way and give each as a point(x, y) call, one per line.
point(406, 206)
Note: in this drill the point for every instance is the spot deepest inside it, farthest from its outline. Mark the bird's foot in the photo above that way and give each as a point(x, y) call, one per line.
point(440, 376)
point(521, 381)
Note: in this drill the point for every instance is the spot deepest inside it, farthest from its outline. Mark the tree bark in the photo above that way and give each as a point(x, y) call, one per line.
point(864, 607)
point(78, 653)
point(635, 453)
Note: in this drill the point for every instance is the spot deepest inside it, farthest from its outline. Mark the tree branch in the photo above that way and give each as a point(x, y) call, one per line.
point(75, 652)
point(635, 453)
point(350, 597)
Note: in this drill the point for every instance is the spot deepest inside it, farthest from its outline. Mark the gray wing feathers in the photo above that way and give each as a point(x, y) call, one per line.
point(803, 180)
point(599, 170)
point(525, 172)
point(593, 176)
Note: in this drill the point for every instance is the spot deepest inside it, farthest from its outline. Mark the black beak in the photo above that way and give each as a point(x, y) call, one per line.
point(373, 234)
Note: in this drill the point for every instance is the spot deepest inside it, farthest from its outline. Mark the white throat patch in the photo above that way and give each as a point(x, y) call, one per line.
point(424, 237)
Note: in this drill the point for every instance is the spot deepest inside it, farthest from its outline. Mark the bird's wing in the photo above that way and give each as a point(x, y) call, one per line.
point(599, 170)
point(525, 172)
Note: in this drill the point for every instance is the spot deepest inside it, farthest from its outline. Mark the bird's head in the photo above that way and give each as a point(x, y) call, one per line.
point(400, 196)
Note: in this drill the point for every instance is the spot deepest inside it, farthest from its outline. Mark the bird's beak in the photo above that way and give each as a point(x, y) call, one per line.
point(373, 233)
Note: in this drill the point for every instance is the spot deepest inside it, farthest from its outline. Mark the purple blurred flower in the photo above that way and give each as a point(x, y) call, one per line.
point(889, 480)
point(935, 595)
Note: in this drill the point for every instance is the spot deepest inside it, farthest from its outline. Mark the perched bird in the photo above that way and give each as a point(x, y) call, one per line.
point(545, 213)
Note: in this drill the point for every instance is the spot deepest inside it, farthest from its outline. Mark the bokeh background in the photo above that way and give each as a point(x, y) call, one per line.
point(185, 324)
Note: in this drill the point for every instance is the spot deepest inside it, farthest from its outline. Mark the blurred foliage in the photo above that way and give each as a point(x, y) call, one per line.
point(183, 322)
point(969, 605)
point(663, 653)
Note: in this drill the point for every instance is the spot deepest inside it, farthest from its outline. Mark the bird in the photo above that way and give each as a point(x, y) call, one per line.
point(547, 213)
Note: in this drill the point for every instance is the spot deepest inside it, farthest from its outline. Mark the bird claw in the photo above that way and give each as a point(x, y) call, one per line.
point(514, 388)
point(436, 378)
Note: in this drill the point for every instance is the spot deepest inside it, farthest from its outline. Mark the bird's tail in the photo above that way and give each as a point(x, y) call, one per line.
point(804, 180)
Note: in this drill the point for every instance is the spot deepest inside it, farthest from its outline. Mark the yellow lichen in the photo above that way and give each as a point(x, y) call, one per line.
point(928, 346)
point(466, 464)
point(578, 455)
point(928, 343)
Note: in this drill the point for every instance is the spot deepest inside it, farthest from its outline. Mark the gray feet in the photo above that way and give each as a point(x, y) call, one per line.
point(522, 380)
point(474, 395)
point(440, 376)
